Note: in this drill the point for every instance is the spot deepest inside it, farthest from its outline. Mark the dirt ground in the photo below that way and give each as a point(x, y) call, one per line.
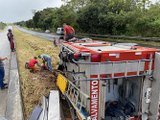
point(34, 85)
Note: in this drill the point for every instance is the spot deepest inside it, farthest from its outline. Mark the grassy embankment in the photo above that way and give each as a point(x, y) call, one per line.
point(140, 42)
point(34, 85)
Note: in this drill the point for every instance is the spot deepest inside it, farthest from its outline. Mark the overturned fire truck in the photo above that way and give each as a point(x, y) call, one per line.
point(111, 81)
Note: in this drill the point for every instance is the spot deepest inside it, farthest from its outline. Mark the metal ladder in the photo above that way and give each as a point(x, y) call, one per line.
point(78, 100)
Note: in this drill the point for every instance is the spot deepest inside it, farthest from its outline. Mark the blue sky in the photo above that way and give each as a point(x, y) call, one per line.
point(17, 10)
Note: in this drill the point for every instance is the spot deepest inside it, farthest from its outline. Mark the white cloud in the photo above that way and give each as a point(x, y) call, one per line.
point(17, 10)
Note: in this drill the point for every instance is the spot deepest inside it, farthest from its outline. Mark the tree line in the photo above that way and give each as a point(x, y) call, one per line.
point(114, 17)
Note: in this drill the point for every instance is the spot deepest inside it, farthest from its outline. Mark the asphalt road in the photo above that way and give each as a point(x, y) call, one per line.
point(4, 52)
point(52, 37)
point(47, 36)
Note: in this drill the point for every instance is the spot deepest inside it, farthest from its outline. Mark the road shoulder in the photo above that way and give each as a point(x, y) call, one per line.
point(14, 104)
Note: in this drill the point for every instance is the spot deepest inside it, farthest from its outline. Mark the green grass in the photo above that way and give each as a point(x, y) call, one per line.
point(34, 85)
point(140, 42)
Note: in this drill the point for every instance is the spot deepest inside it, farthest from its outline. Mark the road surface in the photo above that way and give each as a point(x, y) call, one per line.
point(4, 52)
point(47, 36)
point(10, 99)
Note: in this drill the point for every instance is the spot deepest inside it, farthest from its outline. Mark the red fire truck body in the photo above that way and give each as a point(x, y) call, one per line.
point(115, 77)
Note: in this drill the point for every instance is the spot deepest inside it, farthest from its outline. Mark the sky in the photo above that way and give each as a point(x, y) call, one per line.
point(18, 10)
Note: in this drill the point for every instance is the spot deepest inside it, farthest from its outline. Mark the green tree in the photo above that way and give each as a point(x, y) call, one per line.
point(130, 17)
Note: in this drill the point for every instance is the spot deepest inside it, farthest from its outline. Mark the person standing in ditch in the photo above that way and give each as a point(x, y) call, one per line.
point(2, 73)
point(46, 59)
point(11, 40)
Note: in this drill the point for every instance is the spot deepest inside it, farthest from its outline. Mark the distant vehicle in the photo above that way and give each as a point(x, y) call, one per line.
point(47, 31)
point(60, 31)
